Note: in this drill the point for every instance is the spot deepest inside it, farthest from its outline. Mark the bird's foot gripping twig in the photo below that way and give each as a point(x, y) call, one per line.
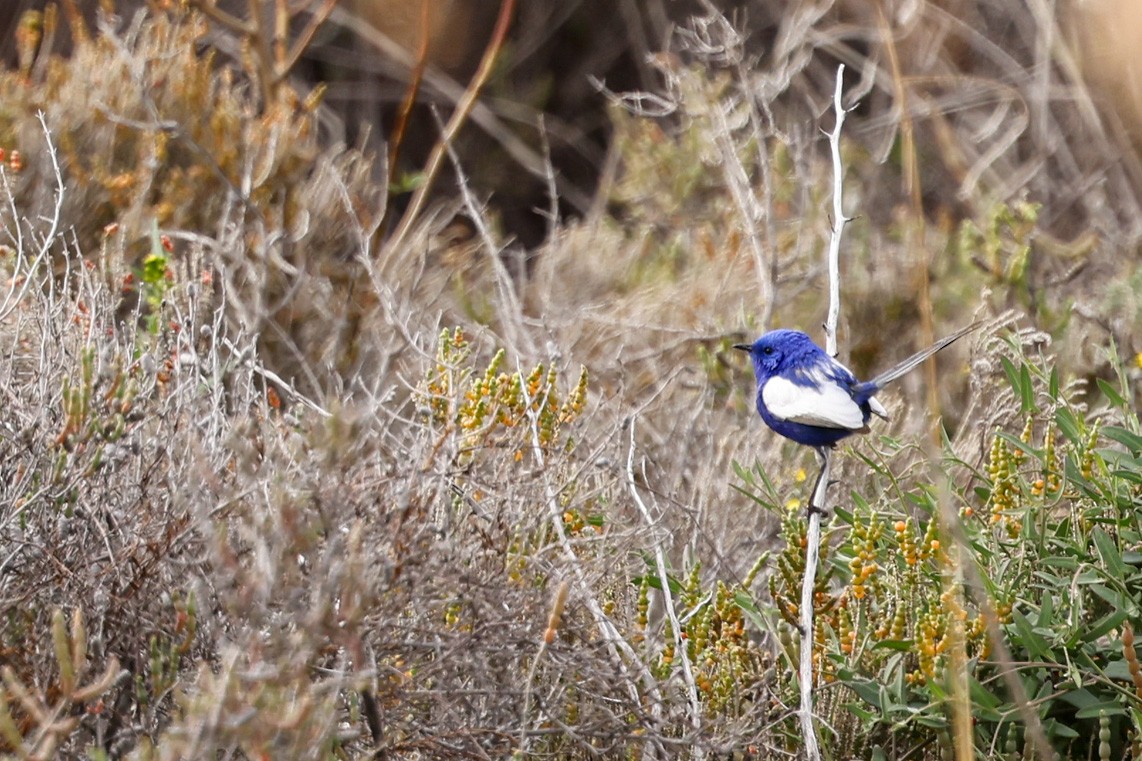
point(820, 486)
point(814, 510)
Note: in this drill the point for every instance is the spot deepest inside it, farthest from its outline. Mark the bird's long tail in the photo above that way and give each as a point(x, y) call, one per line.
point(909, 364)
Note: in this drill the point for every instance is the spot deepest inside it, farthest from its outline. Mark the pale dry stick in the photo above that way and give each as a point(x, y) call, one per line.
point(611, 636)
point(808, 581)
point(749, 210)
point(256, 367)
point(820, 492)
point(10, 301)
point(970, 577)
point(957, 669)
point(839, 220)
point(283, 66)
point(915, 230)
point(274, 57)
point(455, 122)
point(209, 727)
point(668, 600)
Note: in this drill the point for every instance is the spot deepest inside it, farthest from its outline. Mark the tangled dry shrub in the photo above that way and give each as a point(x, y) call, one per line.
point(152, 133)
point(249, 577)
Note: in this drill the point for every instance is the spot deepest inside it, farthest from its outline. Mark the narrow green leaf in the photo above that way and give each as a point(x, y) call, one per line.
point(1104, 625)
point(862, 713)
point(1067, 423)
point(1128, 439)
point(1108, 707)
point(1026, 390)
point(1046, 612)
point(900, 645)
point(1108, 551)
point(1011, 372)
point(1056, 729)
point(869, 692)
point(1111, 393)
point(1020, 445)
point(1054, 384)
point(1034, 644)
point(982, 697)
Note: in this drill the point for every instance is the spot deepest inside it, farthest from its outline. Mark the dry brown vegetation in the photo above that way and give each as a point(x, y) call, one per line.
point(274, 487)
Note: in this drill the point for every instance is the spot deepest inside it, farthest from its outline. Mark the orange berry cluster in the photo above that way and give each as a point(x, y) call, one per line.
point(906, 540)
point(724, 657)
point(865, 537)
point(785, 584)
point(720, 654)
point(1003, 468)
point(933, 637)
point(1050, 482)
point(479, 406)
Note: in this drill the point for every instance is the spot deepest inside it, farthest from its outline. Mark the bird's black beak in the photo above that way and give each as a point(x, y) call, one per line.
point(743, 347)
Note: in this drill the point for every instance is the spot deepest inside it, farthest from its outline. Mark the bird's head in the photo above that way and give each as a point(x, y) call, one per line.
point(777, 347)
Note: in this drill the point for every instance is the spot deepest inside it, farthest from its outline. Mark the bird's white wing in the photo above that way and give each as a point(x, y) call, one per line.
point(825, 404)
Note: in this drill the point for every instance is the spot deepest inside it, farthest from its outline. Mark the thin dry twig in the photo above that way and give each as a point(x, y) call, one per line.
point(396, 137)
point(668, 599)
point(455, 122)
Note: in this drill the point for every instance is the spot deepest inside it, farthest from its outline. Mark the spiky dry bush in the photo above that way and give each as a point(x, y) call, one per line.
point(151, 133)
point(275, 579)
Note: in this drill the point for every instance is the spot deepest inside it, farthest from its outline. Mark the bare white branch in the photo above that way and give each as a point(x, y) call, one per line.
point(818, 503)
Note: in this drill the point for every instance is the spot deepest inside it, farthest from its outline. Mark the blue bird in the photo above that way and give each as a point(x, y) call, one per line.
point(809, 397)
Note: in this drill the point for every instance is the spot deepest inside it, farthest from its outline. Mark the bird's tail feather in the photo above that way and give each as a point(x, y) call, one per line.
point(893, 373)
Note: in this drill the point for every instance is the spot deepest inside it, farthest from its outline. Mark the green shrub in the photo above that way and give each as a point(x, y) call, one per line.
point(1046, 553)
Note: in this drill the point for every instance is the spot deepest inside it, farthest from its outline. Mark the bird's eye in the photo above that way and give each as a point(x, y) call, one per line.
point(767, 350)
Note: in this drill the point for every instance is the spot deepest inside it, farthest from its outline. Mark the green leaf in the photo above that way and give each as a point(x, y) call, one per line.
point(1111, 393)
point(870, 692)
point(1108, 707)
point(1108, 551)
point(982, 697)
point(1117, 670)
point(1128, 439)
point(749, 608)
point(862, 713)
point(1054, 728)
point(1054, 384)
point(1011, 372)
point(1015, 441)
point(1067, 423)
point(900, 645)
point(1105, 624)
point(1046, 612)
point(654, 582)
point(1030, 640)
point(1026, 390)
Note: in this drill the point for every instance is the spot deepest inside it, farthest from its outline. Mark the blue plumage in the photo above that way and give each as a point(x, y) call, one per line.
point(809, 397)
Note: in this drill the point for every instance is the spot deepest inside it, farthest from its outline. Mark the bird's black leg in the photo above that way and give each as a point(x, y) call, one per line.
point(818, 491)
